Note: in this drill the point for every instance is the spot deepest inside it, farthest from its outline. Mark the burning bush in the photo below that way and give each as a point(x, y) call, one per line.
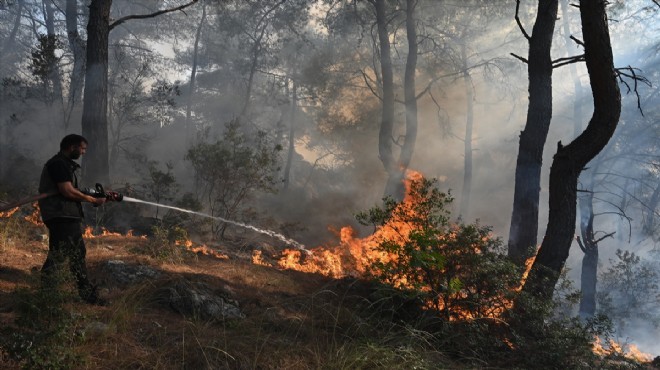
point(459, 269)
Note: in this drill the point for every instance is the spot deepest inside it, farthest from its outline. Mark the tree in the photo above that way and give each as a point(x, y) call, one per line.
point(524, 219)
point(95, 107)
point(77, 46)
point(231, 169)
point(570, 160)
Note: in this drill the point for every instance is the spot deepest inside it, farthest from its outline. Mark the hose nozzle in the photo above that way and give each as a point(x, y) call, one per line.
point(99, 192)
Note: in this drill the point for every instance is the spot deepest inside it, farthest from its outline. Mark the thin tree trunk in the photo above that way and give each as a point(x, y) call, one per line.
point(193, 76)
point(409, 91)
point(54, 70)
point(78, 50)
point(589, 246)
point(387, 117)
point(292, 148)
point(95, 107)
point(469, 127)
point(11, 40)
point(524, 219)
point(577, 85)
point(570, 160)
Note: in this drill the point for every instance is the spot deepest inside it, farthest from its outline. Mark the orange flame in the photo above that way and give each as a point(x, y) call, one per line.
point(89, 234)
point(257, 259)
point(610, 347)
point(201, 249)
point(35, 216)
point(353, 255)
point(8, 213)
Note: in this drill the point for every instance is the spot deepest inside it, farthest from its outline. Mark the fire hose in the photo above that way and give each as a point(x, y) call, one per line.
point(96, 192)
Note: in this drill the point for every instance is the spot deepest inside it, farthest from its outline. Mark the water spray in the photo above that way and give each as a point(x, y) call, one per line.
point(270, 233)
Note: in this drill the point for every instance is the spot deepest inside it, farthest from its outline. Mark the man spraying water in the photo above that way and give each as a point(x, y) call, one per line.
point(62, 214)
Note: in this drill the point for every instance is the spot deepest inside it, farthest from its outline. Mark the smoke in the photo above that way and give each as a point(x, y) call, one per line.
point(336, 171)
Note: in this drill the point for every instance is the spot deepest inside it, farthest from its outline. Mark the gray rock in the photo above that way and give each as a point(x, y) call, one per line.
point(130, 274)
point(197, 300)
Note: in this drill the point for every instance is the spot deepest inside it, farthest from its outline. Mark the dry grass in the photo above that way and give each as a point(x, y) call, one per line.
point(293, 320)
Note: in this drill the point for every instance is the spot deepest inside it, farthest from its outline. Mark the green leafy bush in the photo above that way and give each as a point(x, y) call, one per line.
point(458, 269)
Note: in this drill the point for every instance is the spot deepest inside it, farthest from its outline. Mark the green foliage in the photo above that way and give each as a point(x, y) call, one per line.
point(232, 168)
point(44, 333)
point(44, 59)
point(458, 268)
point(629, 289)
point(162, 186)
point(167, 243)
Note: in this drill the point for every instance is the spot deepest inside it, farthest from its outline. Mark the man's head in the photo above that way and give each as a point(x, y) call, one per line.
point(73, 146)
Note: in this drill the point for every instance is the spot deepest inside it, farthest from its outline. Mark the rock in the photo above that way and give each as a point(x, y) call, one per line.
point(197, 300)
point(130, 274)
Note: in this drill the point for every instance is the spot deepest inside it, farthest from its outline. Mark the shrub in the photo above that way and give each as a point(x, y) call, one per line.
point(459, 269)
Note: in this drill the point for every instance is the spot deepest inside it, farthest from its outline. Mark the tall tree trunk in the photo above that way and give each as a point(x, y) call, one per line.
point(95, 106)
point(292, 138)
point(589, 246)
point(469, 127)
point(570, 160)
point(54, 76)
point(651, 214)
point(193, 76)
point(11, 40)
point(77, 46)
point(587, 241)
point(577, 85)
point(524, 219)
point(409, 91)
point(387, 116)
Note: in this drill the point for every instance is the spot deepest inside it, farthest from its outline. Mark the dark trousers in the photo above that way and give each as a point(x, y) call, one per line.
point(66, 241)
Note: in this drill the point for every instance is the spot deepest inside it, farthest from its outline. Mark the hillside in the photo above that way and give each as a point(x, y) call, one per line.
point(291, 319)
point(268, 318)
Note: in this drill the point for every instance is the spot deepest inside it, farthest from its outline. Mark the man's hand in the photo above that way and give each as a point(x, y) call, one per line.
point(97, 201)
point(69, 191)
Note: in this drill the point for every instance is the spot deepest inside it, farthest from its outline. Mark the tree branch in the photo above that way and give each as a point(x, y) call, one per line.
point(635, 78)
point(568, 60)
point(582, 247)
point(519, 57)
point(605, 237)
point(152, 15)
point(577, 41)
point(522, 29)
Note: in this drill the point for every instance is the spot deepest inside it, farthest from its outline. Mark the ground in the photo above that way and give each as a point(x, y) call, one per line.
point(293, 320)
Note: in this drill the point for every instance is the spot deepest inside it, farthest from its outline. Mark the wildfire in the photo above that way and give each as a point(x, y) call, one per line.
point(353, 255)
point(201, 249)
point(610, 347)
point(89, 233)
point(8, 213)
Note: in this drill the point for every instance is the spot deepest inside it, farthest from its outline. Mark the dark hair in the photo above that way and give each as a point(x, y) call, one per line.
point(72, 139)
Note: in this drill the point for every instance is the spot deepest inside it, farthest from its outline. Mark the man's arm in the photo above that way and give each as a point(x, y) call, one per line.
point(70, 192)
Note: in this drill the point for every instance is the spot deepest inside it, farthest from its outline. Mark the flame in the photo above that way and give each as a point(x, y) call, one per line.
point(201, 249)
point(35, 216)
point(353, 255)
point(8, 213)
point(89, 234)
point(610, 347)
point(257, 259)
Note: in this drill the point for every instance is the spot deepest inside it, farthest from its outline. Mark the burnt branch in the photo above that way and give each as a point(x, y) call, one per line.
point(605, 237)
point(630, 73)
point(577, 41)
point(522, 28)
point(152, 15)
point(581, 245)
point(519, 57)
point(568, 60)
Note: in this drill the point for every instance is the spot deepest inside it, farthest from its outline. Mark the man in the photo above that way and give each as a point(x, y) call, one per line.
point(62, 214)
